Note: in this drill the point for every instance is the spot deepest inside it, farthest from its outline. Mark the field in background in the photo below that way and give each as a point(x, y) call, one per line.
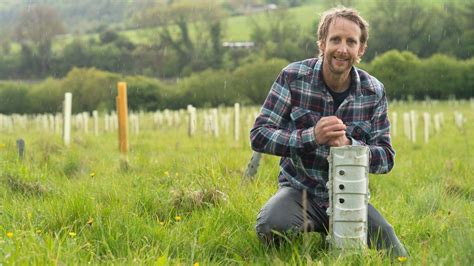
point(183, 200)
point(237, 28)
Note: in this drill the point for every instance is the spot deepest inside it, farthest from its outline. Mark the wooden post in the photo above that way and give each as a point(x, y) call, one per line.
point(252, 167)
point(122, 110)
point(67, 118)
point(20, 145)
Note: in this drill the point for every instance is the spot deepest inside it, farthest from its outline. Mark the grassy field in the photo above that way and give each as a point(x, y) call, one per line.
point(183, 201)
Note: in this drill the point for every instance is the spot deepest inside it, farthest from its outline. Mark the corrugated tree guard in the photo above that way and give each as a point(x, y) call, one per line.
point(348, 187)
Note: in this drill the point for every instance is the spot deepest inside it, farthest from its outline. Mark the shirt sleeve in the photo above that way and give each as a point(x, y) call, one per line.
point(272, 132)
point(382, 153)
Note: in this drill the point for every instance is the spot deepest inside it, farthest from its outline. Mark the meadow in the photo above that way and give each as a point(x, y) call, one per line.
point(184, 200)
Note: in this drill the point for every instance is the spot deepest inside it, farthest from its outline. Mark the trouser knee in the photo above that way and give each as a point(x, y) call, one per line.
point(264, 232)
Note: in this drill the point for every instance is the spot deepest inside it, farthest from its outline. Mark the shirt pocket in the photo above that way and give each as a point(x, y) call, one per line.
point(304, 118)
point(359, 130)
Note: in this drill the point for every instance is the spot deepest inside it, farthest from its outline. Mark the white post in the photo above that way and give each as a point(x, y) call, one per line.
point(106, 122)
point(236, 121)
point(226, 123)
point(215, 122)
point(57, 123)
point(413, 126)
point(67, 118)
point(426, 123)
point(406, 125)
point(207, 122)
point(44, 118)
point(459, 119)
point(437, 122)
point(95, 115)
point(168, 117)
point(135, 123)
point(191, 120)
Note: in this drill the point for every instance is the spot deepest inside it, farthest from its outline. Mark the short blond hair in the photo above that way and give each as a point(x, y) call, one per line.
point(342, 12)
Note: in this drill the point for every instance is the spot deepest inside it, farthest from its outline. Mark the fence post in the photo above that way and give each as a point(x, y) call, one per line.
point(67, 118)
point(122, 110)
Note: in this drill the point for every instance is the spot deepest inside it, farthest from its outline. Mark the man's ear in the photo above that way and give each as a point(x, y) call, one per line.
point(322, 46)
point(362, 50)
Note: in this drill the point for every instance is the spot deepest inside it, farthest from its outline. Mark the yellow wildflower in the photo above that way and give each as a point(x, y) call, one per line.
point(196, 264)
point(162, 223)
point(167, 173)
point(92, 174)
point(72, 234)
point(10, 235)
point(402, 259)
point(38, 231)
point(90, 221)
point(177, 174)
point(177, 218)
point(2, 145)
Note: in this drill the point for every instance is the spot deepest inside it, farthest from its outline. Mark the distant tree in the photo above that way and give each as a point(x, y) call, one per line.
point(401, 25)
point(280, 38)
point(177, 20)
point(466, 43)
point(5, 43)
point(108, 36)
point(334, 3)
point(36, 27)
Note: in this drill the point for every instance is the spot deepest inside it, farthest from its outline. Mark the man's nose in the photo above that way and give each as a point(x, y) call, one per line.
point(342, 48)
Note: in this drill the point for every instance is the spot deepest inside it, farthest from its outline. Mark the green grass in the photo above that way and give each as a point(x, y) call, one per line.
point(48, 199)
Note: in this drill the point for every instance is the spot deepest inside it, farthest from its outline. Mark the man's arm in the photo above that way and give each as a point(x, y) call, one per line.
point(271, 132)
point(381, 151)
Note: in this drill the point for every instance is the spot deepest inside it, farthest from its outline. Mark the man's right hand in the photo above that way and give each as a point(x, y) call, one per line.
point(330, 130)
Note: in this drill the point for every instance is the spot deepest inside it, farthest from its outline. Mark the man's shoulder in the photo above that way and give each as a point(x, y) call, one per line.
point(370, 83)
point(301, 68)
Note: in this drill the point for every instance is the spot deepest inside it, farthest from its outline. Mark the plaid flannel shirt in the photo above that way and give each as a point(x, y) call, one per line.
point(297, 100)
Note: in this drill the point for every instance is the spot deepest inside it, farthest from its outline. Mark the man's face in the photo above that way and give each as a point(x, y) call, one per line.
point(342, 47)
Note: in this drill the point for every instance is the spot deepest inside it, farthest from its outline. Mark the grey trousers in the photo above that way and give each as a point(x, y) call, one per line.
point(284, 213)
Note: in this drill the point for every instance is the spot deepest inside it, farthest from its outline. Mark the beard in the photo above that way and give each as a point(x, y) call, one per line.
point(339, 65)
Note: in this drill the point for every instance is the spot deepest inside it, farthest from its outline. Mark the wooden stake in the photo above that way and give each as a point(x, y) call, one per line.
point(20, 145)
point(122, 110)
point(252, 167)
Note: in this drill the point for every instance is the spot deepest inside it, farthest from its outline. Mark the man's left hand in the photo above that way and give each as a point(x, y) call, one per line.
point(339, 141)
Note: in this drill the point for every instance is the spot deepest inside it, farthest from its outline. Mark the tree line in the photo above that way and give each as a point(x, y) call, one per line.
point(404, 75)
point(186, 37)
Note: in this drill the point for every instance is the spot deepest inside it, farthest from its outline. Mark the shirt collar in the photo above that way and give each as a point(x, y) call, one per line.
point(319, 82)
